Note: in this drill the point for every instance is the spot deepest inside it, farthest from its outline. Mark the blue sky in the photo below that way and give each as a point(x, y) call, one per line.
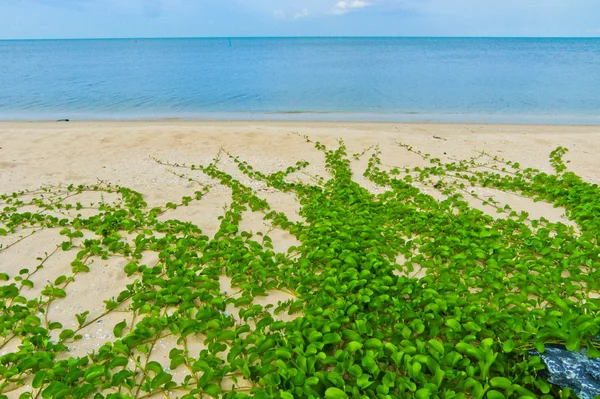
point(184, 18)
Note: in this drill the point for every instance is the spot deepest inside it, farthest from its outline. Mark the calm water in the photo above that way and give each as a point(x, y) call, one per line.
point(399, 79)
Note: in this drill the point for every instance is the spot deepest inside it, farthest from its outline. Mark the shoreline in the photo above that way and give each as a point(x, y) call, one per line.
point(333, 117)
point(45, 123)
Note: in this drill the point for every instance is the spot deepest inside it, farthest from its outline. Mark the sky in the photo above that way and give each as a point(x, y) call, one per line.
point(47, 19)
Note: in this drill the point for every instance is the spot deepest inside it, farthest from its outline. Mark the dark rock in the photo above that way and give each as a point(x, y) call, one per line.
point(573, 370)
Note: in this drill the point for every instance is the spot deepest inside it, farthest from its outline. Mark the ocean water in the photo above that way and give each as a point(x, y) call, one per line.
point(375, 79)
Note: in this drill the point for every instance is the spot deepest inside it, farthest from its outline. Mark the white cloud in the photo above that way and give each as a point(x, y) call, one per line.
point(282, 14)
point(302, 14)
point(345, 6)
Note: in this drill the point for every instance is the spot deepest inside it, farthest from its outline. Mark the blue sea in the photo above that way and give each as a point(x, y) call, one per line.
point(372, 79)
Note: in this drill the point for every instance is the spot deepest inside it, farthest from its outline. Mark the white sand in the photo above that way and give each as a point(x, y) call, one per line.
point(37, 153)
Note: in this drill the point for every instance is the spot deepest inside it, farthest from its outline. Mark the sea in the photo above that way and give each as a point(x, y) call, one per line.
point(495, 80)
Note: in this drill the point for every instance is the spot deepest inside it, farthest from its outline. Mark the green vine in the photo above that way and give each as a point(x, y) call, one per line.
point(457, 317)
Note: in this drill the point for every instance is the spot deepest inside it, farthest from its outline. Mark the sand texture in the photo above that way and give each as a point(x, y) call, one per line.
point(122, 153)
point(35, 154)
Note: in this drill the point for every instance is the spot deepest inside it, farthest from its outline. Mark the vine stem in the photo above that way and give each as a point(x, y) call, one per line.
point(34, 272)
point(65, 285)
point(19, 240)
point(148, 357)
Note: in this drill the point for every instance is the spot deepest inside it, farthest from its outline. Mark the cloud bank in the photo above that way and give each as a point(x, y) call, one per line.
point(345, 6)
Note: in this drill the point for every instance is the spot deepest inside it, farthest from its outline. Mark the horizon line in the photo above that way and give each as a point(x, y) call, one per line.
point(299, 37)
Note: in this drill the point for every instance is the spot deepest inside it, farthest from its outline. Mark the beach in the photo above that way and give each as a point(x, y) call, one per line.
point(36, 153)
point(142, 155)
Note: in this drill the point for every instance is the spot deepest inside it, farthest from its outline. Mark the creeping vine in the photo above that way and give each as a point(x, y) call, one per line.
point(391, 295)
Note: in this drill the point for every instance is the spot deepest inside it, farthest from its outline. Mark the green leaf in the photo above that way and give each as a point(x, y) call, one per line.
point(355, 370)
point(593, 352)
point(373, 343)
point(542, 386)
point(228, 335)
point(315, 336)
point(311, 381)
point(351, 335)
point(370, 365)
point(500, 382)
point(471, 326)
point(354, 346)
point(111, 304)
point(154, 367)
point(423, 393)
point(66, 334)
point(508, 346)
point(332, 338)
point(27, 283)
point(350, 261)
point(335, 393)
point(470, 350)
point(212, 390)
point(283, 353)
point(39, 378)
point(335, 379)
point(131, 268)
point(160, 379)
point(437, 346)
point(177, 361)
point(574, 341)
point(60, 280)
point(453, 324)
point(495, 395)
point(363, 381)
point(94, 373)
point(82, 317)
point(55, 326)
point(118, 330)
point(118, 361)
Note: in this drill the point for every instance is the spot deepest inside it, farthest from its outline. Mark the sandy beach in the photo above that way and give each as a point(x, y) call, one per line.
point(36, 153)
point(123, 153)
point(33, 154)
